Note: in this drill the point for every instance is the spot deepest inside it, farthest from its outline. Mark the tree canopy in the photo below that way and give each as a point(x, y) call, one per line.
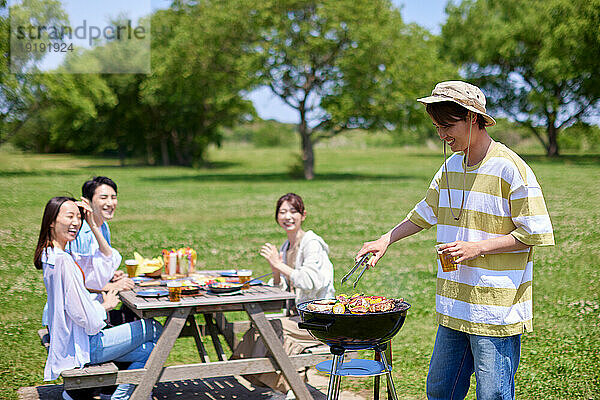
point(16, 87)
point(340, 64)
point(199, 74)
point(537, 60)
point(344, 65)
point(172, 115)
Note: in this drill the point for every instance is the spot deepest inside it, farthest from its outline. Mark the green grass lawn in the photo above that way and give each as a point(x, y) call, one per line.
point(226, 212)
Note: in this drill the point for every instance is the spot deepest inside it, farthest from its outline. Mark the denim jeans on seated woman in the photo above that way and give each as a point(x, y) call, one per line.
point(456, 355)
point(132, 342)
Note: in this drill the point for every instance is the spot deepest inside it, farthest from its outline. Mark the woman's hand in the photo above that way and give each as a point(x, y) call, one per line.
point(111, 300)
point(377, 247)
point(271, 254)
point(89, 218)
point(88, 213)
point(118, 275)
point(275, 259)
point(121, 284)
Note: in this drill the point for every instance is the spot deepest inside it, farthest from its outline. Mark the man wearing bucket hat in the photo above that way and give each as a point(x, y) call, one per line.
point(489, 212)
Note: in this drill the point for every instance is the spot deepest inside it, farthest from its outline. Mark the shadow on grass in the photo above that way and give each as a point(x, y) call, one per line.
point(205, 166)
point(83, 169)
point(37, 172)
point(571, 159)
point(274, 177)
point(434, 156)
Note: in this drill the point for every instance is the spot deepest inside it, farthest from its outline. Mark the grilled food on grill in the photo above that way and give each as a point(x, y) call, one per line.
point(382, 306)
point(339, 308)
point(321, 305)
point(355, 304)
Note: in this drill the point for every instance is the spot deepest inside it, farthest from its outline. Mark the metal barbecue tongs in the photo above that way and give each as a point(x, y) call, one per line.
point(363, 260)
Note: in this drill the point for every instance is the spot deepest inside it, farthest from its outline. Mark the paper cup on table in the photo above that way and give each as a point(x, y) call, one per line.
point(172, 267)
point(131, 267)
point(174, 290)
point(245, 275)
point(446, 260)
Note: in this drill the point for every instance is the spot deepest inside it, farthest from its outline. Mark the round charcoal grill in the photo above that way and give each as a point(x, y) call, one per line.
point(354, 332)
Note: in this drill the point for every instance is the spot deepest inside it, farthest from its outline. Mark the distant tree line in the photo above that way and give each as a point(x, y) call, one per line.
point(340, 65)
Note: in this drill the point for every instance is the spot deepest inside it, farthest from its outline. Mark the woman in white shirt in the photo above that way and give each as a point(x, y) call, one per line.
point(300, 265)
point(302, 262)
point(75, 318)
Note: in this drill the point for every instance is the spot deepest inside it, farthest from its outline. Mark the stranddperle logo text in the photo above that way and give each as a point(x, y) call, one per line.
point(82, 32)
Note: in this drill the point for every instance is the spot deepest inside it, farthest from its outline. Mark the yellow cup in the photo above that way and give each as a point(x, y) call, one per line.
point(131, 267)
point(448, 262)
point(245, 275)
point(174, 290)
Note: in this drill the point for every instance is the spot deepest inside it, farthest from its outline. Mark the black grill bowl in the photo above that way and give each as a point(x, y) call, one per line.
point(353, 331)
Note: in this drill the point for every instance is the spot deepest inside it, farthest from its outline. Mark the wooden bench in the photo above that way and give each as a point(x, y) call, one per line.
point(91, 376)
point(106, 374)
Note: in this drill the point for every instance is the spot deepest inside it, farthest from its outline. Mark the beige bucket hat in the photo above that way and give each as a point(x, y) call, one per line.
point(462, 93)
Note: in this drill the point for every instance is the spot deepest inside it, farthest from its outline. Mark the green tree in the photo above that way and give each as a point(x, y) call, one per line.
point(537, 60)
point(343, 65)
point(124, 124)
point(17, 65)
point(410, 69)
point(199, 74)
point(79, 111)
point(65, 113)
point(172, 115)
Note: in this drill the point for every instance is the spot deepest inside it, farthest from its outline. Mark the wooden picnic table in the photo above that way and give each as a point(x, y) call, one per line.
point(254, 301)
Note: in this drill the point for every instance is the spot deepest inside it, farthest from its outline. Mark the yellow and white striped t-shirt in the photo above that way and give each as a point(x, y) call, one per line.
point(490, 295)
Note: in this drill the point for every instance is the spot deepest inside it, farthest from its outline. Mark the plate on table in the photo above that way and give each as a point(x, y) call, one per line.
point(139, 279)
point(153, 293)
point(229, 272)
point(224, 287)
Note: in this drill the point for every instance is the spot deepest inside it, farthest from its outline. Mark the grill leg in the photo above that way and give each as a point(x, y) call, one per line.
point(388, 375)
point(338, 378)
point(376, 380)
point(333, 391)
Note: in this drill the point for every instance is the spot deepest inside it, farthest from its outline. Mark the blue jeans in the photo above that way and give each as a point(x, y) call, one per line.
point(456, 355)
point(132, 342)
